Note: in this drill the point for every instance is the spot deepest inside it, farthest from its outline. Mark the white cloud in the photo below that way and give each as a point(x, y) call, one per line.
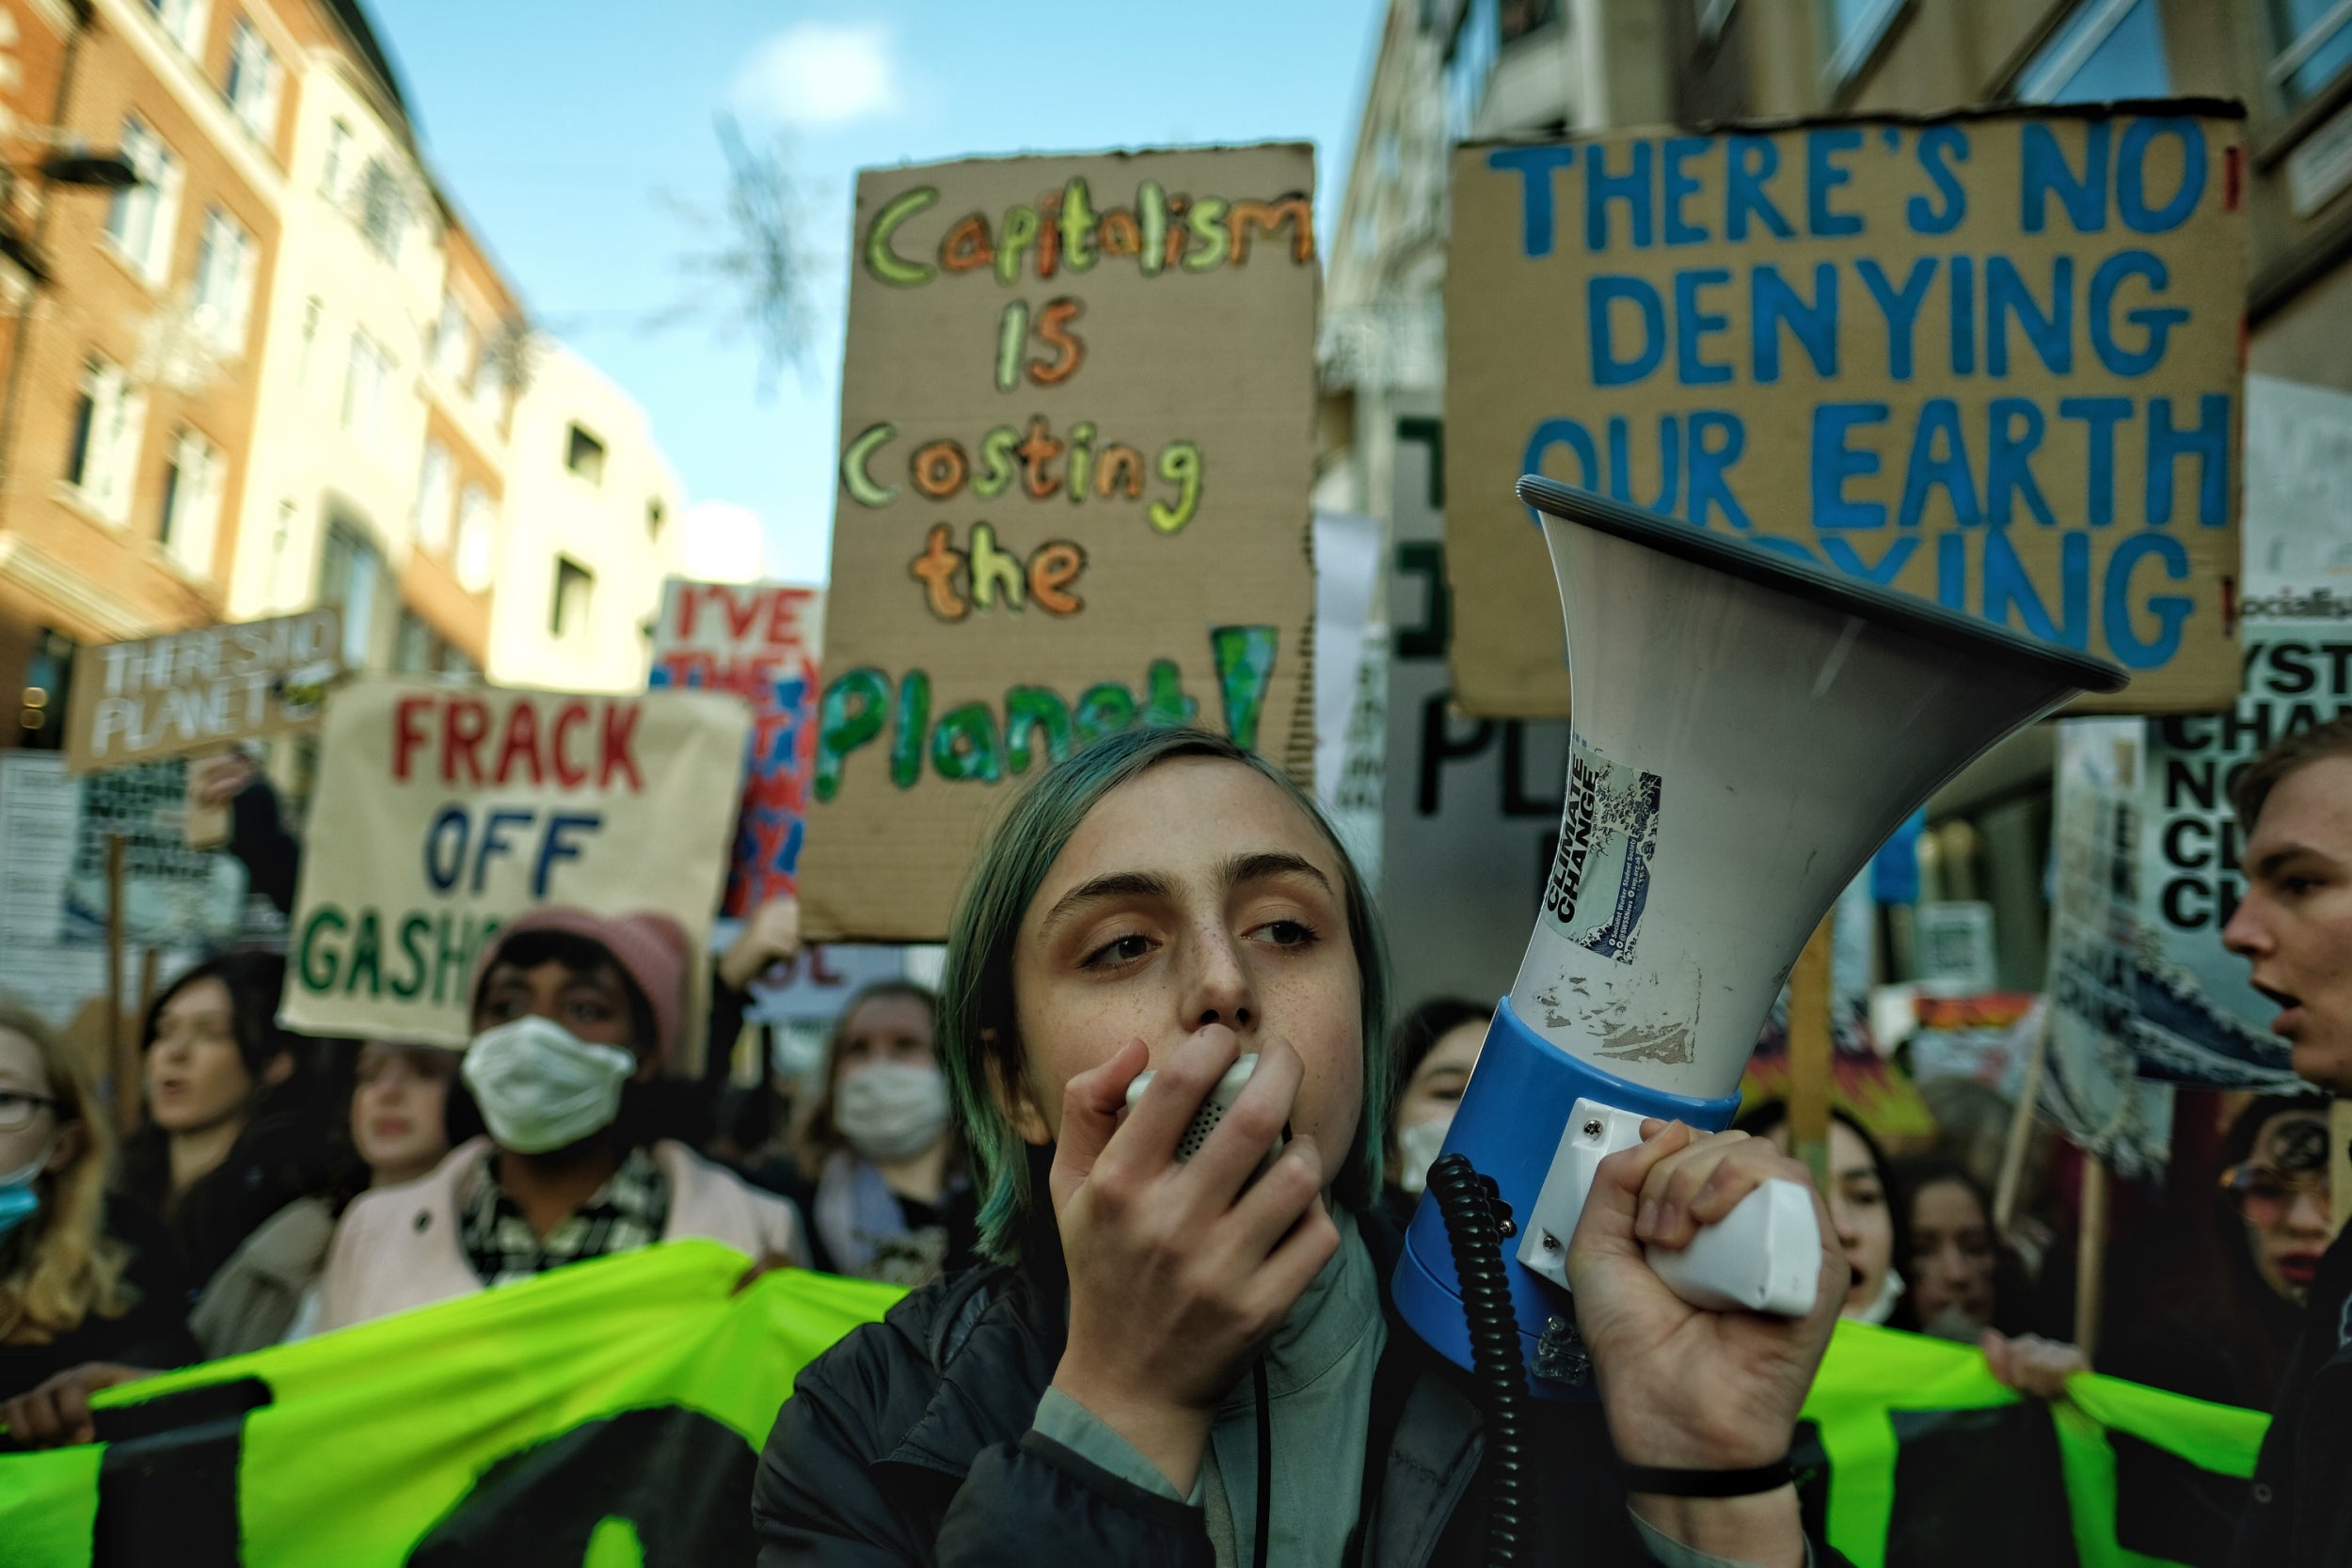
point(818, 73)
point(724, 543)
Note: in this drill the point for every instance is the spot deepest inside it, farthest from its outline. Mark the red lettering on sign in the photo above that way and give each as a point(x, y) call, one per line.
point(620, 733)
point(784, 617)
point(568, 773)
point(408, 732)
point(741, 613)
point(464, 725)
point(522, 739)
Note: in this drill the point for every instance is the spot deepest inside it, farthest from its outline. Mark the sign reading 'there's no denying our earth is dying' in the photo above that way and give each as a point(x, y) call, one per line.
point(1989, 360)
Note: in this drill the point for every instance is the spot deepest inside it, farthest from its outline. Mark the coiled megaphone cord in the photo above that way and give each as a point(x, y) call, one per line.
point(1465, 1202)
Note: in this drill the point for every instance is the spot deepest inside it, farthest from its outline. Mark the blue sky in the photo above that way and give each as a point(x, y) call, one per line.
point(558, 128)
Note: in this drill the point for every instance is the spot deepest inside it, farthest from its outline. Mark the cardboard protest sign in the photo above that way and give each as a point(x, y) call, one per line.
point(2097, 987)
point(1988, 358)
point(1469, 807)
point(440, 812)
point(1076, 443)
point(759, 641)
point(200, 690)
point(2298, 673)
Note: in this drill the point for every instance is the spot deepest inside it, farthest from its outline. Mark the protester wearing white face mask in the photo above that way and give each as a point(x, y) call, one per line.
point(876, 1162)
point(575, 1016)
point(1433, 1046)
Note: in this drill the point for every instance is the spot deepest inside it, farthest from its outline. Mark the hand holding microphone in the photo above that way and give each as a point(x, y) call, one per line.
point(1181, 1268)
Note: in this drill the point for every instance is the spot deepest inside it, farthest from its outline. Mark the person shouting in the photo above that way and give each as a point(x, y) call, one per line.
point(1159, 1348)
point(2294, 926)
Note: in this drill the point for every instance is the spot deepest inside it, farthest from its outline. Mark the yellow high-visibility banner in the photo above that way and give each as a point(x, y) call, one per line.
point(610, 1412)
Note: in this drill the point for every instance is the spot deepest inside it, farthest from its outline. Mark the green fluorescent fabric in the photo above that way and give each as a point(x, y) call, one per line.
point(1882, 1392)
point(611, 1414)
point(585, 1417)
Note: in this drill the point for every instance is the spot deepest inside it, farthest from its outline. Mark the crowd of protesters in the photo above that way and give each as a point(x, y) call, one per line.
point(980, 1148)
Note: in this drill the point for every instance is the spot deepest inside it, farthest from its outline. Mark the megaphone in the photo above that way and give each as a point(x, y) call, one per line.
point(1748, 729)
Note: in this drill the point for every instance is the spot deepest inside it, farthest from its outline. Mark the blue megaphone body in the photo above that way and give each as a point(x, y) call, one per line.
point(1748, 728)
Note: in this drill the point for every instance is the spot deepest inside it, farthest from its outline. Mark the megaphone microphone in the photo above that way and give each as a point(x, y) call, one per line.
point(1748, 729)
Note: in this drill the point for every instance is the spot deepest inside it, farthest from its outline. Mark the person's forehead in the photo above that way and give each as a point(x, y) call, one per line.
point(1947, 1202)
point(1456, 1049)
point(208, 995)
point(1187, 816)
point(889, 1015)
point(550, 973)
point(2310, 806)
point(1846, 1151)
point(20, 1066)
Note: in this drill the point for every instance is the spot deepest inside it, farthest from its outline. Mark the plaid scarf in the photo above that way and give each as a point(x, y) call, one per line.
point(628, 1210)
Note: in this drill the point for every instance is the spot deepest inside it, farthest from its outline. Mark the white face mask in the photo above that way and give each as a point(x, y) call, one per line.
point(892, 1110)
point(541, 1087)
point(1417, 1146)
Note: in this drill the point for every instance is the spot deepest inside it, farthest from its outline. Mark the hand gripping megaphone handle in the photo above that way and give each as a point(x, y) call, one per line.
point(1765, 1256)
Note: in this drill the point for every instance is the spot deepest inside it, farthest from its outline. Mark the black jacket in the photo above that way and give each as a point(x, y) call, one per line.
point(2299, 1512)
point(908, 1443)
point(153, 1330)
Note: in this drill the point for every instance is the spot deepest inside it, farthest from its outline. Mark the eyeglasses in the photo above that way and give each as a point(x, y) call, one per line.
point(17, 1111)
point(2264, 1193)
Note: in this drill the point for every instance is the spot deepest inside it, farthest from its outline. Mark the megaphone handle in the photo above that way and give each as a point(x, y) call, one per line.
point(1765, 1256)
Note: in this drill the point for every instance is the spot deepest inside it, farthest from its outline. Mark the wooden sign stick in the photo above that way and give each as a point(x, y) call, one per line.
point(2021, 1124)
point(122, 1052)
point(2090, 1255)
point(1811, 1055)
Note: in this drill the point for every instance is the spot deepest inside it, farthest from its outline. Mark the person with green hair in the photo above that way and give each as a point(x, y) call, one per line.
point(1160, 1347)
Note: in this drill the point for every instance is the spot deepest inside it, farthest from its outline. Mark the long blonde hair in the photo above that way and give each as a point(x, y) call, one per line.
point(62, 1266)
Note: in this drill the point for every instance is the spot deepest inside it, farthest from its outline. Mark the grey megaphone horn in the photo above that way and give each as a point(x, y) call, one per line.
point(1748, 729)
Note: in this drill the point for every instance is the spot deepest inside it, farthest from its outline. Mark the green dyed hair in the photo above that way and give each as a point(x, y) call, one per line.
point(979, 1040)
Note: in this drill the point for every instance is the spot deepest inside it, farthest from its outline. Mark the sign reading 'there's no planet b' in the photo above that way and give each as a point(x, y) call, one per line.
point(1989, 360)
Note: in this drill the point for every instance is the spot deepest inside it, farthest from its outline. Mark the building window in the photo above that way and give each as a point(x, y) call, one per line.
point(2312, 44)
point(363, 390)
point(1855, 27)
point(351, 575)
point(568, 616)
point(383, 210)
point(191, 509)
point(335, 173)
point(412, 644)
point(104, 452)
point(140, 218)
point(1470, 63)
point(2107, 50)
point(452, 340)
point(476, 519)
point(224, 263)
point(584, 455)
point(48, 691)
point(490, 390)
point(182, 22)
point(251, 85)
point(653, 518)
point(314, 310)
point(435, 496)
point(1516, 19)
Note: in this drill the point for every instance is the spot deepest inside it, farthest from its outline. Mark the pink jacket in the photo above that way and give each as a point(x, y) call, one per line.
point(399, 1247)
